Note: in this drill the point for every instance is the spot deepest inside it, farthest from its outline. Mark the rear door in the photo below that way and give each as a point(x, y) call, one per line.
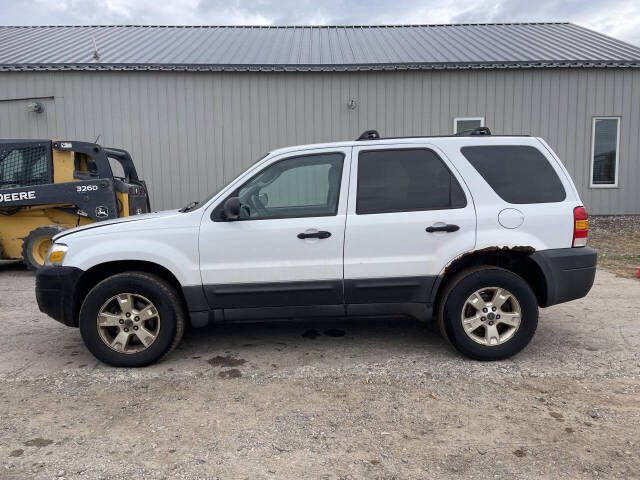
point(409, 214)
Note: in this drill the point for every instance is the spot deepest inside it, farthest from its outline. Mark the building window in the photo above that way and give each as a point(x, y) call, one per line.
point(605, 147)
point(461, 124)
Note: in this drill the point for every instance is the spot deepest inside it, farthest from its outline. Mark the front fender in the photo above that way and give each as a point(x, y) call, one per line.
point(175, 249)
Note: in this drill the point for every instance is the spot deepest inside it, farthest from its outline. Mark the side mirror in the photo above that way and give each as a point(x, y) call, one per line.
point(231, 209)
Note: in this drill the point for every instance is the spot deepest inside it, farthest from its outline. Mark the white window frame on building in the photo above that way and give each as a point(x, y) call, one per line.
point(466, 119)
point(617, 160)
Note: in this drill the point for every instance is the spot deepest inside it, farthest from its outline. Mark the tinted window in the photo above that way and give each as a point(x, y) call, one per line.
point(519, 174)
point(296, 187)
point(405, 180)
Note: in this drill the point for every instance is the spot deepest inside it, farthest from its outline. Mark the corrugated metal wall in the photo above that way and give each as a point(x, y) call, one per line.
point(192, 132)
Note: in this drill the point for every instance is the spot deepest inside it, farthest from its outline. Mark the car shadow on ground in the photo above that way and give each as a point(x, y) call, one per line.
point(380, 337)
point(271, 347)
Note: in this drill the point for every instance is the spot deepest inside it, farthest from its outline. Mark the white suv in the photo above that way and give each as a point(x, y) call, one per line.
point(475, 231)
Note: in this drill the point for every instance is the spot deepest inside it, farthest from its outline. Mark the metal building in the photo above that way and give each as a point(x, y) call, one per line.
point(196, 105)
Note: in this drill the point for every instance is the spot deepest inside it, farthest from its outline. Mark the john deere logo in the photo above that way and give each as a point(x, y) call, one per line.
point(17, 196)
point(102, 212)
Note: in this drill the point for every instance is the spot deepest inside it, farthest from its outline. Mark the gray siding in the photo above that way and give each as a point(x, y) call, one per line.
point(191, 132)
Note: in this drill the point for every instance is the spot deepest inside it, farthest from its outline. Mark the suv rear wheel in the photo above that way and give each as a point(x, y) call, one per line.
point(132, 319)
point(488, 313)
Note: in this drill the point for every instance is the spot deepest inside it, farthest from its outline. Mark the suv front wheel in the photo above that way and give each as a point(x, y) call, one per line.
point(488, 313)
point(132, 319)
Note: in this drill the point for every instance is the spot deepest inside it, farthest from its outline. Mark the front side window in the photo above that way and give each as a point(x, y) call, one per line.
point(604, 148)
point(305, 186)
point(23, 167)
point(467, 123)
point(517, 173)
point(405, 180)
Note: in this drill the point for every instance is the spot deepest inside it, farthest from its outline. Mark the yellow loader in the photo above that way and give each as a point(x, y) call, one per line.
point(47, 186)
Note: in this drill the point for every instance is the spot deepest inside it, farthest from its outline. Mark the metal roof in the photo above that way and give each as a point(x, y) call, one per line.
point(309, 48)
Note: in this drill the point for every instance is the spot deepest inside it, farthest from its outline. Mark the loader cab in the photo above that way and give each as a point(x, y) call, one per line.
point(49, 186)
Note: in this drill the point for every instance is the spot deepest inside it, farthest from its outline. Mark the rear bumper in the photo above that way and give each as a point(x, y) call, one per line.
point(55, 292)
point(568, 272)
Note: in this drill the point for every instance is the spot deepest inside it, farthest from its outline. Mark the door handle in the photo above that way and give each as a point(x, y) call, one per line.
point(445, 228)
point(321, 234)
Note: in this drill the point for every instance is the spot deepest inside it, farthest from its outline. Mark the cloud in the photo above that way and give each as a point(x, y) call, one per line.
point(618, 18)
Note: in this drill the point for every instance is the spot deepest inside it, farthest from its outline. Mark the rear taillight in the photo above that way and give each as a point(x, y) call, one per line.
point(580, 227)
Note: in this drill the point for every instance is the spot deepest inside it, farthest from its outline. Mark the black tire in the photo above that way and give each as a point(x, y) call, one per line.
point(460, 288)
point(33, 240)
point(167, 302)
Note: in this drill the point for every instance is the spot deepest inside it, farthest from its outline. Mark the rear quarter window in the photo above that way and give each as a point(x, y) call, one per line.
point(517, 173)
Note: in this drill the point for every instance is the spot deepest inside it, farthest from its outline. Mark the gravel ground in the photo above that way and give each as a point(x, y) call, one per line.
point(347, 399)
point(617, 239)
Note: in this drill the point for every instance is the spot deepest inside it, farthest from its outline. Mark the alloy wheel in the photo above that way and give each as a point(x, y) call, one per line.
point(491, 316)
point(128, 323)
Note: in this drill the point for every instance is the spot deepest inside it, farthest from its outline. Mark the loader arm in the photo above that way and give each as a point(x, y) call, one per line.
point(94, 199)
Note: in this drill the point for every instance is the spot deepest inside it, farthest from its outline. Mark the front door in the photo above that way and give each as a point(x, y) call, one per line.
point(409, 215)
point(286, 248)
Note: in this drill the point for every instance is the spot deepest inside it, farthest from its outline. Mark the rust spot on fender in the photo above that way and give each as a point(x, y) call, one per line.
point(524, 249)
point(519, 248)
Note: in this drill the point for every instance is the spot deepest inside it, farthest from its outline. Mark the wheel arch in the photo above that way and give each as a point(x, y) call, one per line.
point(517, 260)
point(94, 275)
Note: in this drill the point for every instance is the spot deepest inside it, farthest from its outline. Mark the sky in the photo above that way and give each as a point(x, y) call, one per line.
point(617, 18)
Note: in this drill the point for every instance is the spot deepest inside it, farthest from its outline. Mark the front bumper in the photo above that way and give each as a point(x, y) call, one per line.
point(55, 292)
point(568, 272)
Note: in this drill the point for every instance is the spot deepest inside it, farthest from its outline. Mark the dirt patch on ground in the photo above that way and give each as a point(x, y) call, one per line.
point(38, 442)
point(226, 361)
point(233, 373)
point(617, 239)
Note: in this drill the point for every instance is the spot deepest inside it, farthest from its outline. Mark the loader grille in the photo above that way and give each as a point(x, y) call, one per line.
point(23, 167)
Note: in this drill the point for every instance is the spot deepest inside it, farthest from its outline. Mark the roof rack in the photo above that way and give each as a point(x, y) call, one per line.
point(474, 131)
point(369, 135)
point(479, 131)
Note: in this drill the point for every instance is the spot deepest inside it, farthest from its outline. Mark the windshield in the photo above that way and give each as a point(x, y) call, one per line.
point(199, 204)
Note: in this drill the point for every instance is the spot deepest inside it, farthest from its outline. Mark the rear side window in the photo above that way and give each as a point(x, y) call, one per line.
point(517, 173)
point(405, 180)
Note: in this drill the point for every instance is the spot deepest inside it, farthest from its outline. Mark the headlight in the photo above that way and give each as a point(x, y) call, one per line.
point(56, 254)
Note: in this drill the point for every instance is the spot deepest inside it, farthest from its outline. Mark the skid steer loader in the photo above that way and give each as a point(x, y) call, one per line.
point(48, 186)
